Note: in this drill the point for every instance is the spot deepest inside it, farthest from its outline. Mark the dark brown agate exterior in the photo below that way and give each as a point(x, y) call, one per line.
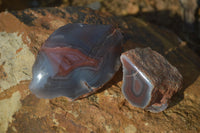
point(149, 80)
point(76, 60)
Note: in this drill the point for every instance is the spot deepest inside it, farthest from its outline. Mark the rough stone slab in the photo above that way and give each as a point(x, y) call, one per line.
point(107, 110)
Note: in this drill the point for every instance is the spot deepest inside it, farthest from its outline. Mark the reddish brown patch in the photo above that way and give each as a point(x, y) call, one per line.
point(10, 23)
point(70, 124)
point(18, 50)
point(22, 87)
point(3, 74)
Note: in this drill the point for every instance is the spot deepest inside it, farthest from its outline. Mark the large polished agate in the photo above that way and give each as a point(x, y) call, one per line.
point(76, 60)
point(149, 80)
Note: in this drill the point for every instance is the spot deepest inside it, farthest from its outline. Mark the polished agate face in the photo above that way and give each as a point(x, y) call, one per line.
point(136, 87)
point(75, 60)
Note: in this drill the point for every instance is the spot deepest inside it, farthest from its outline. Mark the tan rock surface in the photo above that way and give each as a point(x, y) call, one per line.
point(107, 110)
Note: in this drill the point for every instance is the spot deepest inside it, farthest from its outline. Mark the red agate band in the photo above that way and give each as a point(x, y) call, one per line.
point(65, 59)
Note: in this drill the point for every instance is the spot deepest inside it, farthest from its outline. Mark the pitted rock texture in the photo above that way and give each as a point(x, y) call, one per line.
point(107, 110)
point(8, 108)
point(16, 60)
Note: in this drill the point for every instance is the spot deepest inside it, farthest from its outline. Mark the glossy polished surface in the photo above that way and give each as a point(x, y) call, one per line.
point(136, 86)
point(75, 60)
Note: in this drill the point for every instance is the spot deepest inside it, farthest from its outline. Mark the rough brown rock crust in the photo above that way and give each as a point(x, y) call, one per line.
point(149, 80)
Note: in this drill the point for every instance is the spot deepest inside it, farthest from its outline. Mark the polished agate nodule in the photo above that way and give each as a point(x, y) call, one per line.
point(76, 60)
point(149, 80)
